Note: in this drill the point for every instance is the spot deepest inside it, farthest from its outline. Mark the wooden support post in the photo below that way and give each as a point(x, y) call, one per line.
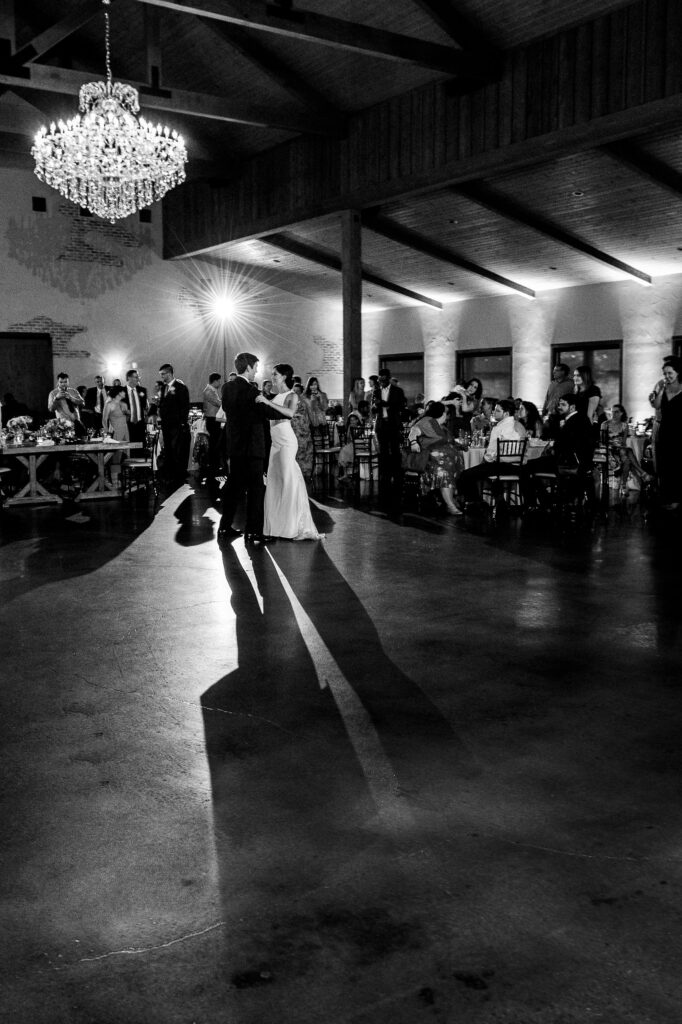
point(152, 33)
point(351, 260)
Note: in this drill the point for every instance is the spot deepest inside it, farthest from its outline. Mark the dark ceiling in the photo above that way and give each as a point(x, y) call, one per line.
point(237, 77)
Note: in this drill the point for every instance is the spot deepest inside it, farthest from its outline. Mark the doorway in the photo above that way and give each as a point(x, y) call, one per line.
point(25, 375)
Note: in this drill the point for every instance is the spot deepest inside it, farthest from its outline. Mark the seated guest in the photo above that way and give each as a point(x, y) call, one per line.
point(445, 462)
point(614, 436)
point(482, 421)
point(529, 416)
point(505, 429)
point(573, 447)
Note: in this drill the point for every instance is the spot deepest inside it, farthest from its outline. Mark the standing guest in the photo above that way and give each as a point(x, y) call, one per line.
point(666, 398)
point(287, 509)
point(471, 399)
point(587, 393)
point(173, 412)
point(471, 480)
point(357, 394)
point(116, 382)
point(245, 447)
point(301, 424)
point(95, 399)
point(372, 382)
point(266, 389)
point(136, 400)
point(115, 424)
point(359, 417)
point(454, 402)
point(388, 406)
point(211, 406)
point(614, 437)
point(318, 402)
point(66, 403)
point(560, 386)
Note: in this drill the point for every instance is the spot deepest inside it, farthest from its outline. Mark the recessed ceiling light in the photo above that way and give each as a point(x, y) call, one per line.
point(552, 268)
point(578, 194)
point(276, 261)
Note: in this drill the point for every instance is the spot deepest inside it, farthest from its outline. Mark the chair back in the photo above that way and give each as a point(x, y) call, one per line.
point(513, 452)
point(363, 440)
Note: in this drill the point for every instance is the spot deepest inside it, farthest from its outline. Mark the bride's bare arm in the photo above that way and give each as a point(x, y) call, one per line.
point(284, 410)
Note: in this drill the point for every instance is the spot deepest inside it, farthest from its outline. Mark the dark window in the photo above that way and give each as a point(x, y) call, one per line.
point(492, 366)
point(408, 367)
point(39, 204)
point(604, 358)
point(145, 216)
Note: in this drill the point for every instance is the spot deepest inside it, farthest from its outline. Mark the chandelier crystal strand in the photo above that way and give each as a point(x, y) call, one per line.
point(106, 159)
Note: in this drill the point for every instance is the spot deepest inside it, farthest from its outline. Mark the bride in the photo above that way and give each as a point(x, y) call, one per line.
point(287, 511)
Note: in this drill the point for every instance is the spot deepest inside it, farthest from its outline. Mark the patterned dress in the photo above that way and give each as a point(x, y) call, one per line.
point(445, 458)
point(301, 427)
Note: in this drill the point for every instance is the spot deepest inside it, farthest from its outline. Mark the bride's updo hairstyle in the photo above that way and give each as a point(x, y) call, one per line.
point(287, 372)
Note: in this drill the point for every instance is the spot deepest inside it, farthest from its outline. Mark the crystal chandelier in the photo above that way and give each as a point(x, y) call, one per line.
point(105, 159)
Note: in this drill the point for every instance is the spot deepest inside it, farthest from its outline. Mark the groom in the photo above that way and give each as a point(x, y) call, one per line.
point(245, 438)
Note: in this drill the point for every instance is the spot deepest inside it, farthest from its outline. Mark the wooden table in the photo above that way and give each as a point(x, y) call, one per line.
point(33, 456)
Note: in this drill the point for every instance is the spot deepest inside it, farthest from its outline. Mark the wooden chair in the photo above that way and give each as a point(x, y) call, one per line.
point(324, 456)
point(504, 483)
point(365, 456)
point(138, 472)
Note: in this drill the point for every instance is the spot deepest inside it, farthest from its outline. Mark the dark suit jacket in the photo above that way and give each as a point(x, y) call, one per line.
point(142, 397)
point(174, 406)
point(575, 438)
point(244, 420)
point(395, 405)
point(91, 398)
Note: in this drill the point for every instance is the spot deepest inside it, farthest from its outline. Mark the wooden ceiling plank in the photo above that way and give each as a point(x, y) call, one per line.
point(335, 32)
point(486, 197)
point(396, 233)
point(271, 65)
point(308, 252)
point(648, 166)
point(218, 108)
point(459, 28)
point(61, 30)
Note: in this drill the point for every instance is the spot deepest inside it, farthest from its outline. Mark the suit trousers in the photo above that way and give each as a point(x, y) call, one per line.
point(245, 477)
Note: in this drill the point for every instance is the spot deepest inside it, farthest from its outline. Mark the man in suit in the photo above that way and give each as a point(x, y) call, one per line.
point(136, 397)
point(174, 422)
point(95, 399)
point(246, 447)
point(573, 448)
point(388, 406)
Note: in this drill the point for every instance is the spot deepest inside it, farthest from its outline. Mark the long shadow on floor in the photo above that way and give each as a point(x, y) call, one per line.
point(322, 754)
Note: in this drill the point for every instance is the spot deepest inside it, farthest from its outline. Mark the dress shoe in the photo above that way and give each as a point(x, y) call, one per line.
point(228, 535)
point(257, 540)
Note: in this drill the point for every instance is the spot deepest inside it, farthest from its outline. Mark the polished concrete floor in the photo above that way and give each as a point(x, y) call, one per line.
point(419, 771)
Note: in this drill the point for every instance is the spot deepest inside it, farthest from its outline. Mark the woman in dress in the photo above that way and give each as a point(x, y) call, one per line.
point(115, 418)
point(445, 461)
point(357, 394)
point(318, 402)
point(529, 415)
point(301, 427)
point(668, 461)
point(287, 510)
point(471, 399)
point(587, 392)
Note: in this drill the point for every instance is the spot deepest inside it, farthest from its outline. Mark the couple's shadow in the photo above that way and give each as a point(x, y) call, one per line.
point(323, 754)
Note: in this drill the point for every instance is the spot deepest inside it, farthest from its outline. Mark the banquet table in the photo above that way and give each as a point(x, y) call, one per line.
point(35, 492)
point(474, 456)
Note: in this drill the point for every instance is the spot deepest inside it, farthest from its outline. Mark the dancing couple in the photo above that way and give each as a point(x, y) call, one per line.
point(281, 509)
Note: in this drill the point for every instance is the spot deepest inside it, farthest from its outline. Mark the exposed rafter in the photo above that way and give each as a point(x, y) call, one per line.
point(177, 101)
point(646, 165)
point(61, 30)
point(271, 65)
point(459, 28)
point(308, 252)
point(484, 196)
point(346, 35)
point(396, 233)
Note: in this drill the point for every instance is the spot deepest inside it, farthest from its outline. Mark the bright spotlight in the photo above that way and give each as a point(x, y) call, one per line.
point(224, 308)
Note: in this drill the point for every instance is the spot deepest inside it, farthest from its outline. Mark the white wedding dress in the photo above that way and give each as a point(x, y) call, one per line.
point(287, 510)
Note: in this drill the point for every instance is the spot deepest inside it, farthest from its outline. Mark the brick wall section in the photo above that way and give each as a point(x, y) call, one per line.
point(61, 335)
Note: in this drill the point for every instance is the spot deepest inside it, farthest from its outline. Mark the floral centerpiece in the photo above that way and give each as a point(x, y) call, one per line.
point(58, 430)
point(17, 430)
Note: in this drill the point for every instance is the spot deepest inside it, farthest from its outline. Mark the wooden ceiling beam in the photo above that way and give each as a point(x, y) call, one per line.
point(271, 65)
point(152, 38)
point(334, 32)
point(648, 166)
point(325, 259)
point(61, 30)
point(486, 197)
point(387, 228)
point(459, 28)
point(177, 101)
